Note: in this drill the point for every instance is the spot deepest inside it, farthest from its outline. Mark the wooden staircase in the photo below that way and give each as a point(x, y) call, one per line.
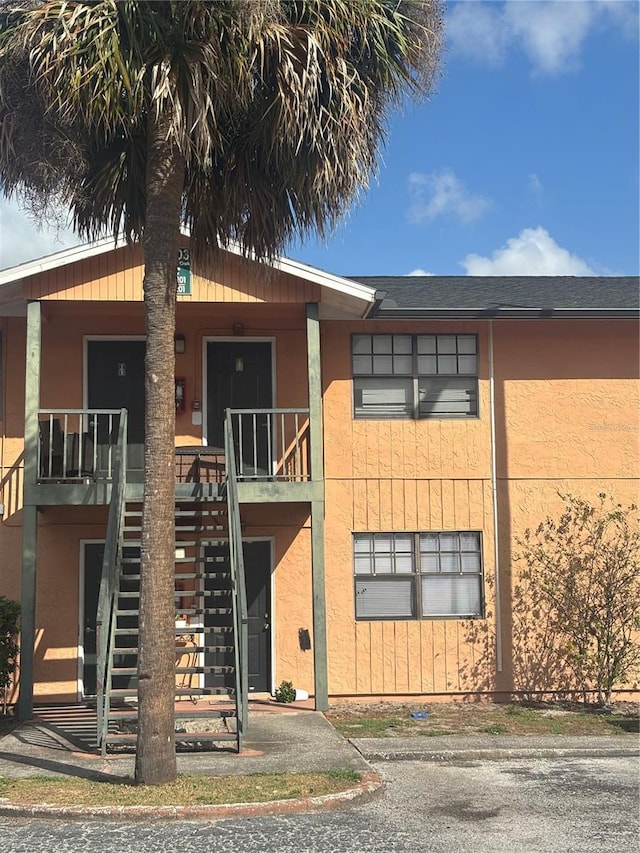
point(206, 642)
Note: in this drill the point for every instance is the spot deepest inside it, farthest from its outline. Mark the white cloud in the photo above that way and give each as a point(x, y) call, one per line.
point(535, 185)
point(419, 271)
point(477, 30)
point(551, 33)
point(21, 240)
point(532, 252)
point(443, 194)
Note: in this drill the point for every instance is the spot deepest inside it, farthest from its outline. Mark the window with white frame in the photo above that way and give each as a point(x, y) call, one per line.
point(415, 376)
point(418, 575)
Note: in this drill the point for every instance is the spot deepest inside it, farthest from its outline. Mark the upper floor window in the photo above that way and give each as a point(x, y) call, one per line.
point(415, 376)
point(418, 575)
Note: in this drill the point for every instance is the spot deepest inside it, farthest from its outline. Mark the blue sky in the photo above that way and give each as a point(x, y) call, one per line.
point(525, 161)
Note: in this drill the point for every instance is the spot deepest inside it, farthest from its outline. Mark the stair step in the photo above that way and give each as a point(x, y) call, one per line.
point(187, 713)
point(184, 576)
point(201, 559)
point(181, 737)
point(185, 543)
point(186, 528)
point(191, 650)
point(186, 611)
point(180, 593)
point(132, 693)
point(202, 593)
point(210, 629)
point(218, 669)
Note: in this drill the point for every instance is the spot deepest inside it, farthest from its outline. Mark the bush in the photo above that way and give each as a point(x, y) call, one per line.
point(583, 576)
point(286, 692)
point(9, 619)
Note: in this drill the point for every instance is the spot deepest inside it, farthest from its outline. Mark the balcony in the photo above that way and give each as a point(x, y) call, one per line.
point(77, 452)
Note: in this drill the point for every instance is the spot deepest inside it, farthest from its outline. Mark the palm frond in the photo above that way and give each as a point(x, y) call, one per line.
point(277, 107)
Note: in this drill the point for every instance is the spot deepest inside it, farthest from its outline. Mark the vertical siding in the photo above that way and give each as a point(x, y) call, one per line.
point(398, 657)
point(400, 475)
point(117, 277)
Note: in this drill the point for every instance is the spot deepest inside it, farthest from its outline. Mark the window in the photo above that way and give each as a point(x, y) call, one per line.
point(417, 575)
point(415, 376)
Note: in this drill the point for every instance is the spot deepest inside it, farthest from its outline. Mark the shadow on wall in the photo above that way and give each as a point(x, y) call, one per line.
point(478, 675)
point(11, 487)
point(539, 667)
point(536, 667)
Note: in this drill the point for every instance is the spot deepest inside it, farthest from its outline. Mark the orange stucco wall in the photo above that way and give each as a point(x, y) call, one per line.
point(566, 418)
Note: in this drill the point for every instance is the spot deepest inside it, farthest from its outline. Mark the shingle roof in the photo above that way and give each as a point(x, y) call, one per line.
point(505, 296)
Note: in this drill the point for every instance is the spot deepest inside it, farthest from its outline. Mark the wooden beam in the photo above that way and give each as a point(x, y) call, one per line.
point(315, 392)
point(317, 510)
point(30, 511)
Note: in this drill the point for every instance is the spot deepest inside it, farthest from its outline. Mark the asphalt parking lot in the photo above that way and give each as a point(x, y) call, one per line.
point(558, 804)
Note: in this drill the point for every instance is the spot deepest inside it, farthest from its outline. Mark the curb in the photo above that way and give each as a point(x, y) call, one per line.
point(370, 782)
point(498, 754)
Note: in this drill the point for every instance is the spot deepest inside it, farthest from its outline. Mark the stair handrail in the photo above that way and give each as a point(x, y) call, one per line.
point(110, 581)
point(239, 593)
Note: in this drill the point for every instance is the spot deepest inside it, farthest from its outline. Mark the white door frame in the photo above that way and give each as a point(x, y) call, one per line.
point(226, 339)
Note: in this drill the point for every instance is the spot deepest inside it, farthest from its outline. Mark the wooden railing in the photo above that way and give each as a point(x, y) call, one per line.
point(271, 444)
point(77, 444)
point(239, 593)
point(110, 579)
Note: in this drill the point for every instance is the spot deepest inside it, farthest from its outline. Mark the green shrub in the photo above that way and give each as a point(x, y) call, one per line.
point(583, 576)
point(9, 619)
point(286, 692)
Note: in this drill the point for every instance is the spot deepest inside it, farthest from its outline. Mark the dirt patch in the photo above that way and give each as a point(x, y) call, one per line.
point(389, 719)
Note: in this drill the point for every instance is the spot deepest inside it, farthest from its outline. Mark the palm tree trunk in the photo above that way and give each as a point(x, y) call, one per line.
point(155, 751)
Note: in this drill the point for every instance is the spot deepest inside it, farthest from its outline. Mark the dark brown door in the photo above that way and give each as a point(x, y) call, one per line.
point(116, 381)
point(257, 567)
point(93, 553)
point(93, 556)
point(239, 377)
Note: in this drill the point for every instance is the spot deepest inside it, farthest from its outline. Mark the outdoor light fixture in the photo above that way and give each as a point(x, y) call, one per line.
point(238, 329)
point(179, 344)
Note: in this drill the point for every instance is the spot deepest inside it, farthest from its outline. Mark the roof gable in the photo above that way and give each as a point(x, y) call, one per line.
point(103, 270)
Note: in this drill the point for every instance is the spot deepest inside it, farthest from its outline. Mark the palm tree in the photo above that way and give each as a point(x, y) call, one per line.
point(247, 120)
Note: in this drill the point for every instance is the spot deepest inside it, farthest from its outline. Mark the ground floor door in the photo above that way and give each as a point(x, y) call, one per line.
point(239, 377)
point(257, 567)
point(93, 555)
point(115, 380)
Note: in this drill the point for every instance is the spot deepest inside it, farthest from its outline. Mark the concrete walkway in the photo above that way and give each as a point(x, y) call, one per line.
point(280, 739)
point(488, 747)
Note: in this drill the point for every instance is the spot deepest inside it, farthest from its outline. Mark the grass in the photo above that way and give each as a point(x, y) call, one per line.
point(185, 791)
point(388, 719)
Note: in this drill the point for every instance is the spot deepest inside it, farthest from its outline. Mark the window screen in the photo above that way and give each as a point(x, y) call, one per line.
point(418, 575)
point(415, 376)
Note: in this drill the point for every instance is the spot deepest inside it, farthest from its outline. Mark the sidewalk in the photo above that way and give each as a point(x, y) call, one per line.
point(494, 747)
point(280, 739)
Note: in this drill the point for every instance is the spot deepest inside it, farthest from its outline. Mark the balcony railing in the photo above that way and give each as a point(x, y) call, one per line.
point(271, 444)
point(77, 444)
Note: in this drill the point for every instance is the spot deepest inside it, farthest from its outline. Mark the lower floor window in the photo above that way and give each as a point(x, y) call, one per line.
point(418, 575)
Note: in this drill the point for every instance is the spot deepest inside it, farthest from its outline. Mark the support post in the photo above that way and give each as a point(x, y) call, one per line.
point(30, 511)
point(317, 510)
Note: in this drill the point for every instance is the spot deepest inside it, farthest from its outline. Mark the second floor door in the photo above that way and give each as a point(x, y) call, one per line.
point(115, 380)
point(239, 377)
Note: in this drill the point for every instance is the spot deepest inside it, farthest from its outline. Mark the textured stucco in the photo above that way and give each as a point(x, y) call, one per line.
point(566, 418)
